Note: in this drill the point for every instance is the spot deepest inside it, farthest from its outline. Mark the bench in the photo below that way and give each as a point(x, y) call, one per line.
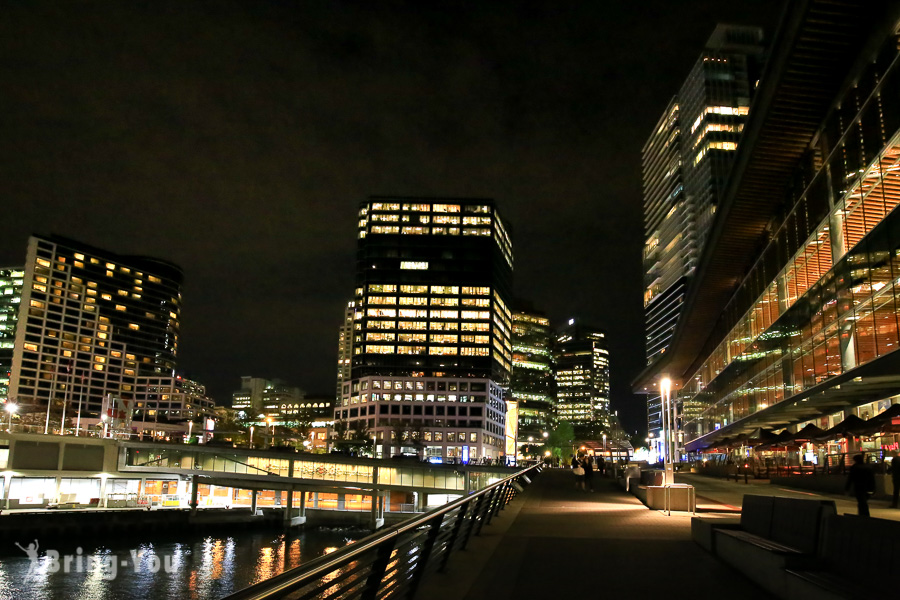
point(858, 558)
point(775, 534)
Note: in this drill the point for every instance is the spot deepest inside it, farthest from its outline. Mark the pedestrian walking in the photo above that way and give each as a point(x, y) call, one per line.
point(578, 471)
point(588, 473)
point(895, 479)
point(601, 466)
point(861, 480)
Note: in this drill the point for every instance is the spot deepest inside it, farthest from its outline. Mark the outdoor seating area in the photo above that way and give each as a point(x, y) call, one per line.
point(811, 450)
point(774, 535)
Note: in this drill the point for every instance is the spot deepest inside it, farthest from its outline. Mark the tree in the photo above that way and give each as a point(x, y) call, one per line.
point(559, 442)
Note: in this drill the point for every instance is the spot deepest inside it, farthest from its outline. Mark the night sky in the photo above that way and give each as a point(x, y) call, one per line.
point(237, 139)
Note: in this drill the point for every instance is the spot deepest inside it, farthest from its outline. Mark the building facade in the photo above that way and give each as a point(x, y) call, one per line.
point(582, 376)
point(809, 231)
point(11, 282)
point(533, 385)
point(345, 348)
point(431, 328)
point(160, 398)
point(685, 163)
point(90, 323)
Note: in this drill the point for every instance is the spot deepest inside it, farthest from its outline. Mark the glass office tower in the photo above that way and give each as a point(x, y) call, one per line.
point(11, 282)
point(685, 163)
point(582, 375)
point(533, 385)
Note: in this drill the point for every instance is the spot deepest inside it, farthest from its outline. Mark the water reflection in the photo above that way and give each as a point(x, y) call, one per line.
point(190, 568)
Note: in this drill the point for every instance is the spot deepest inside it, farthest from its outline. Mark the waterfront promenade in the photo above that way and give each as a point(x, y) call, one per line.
point(556, 542)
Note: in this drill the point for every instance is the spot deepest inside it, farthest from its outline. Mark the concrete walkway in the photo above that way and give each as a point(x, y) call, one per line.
point(555, 542)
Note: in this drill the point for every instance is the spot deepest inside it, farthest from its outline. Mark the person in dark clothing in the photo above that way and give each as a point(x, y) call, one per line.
point(862, 480)
point(588, 467)
point(601, 466)
point(895, 479)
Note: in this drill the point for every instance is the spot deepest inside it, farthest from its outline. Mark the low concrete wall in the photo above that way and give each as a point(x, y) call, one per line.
point(833, 484)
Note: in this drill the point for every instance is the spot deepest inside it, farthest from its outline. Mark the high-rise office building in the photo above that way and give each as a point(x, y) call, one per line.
point(791, 315)
point(533, 385)
point(345, 348)
point(582, 375)
point(91, 322)
point(431, 328)
point(685, 164)
point(11, 282)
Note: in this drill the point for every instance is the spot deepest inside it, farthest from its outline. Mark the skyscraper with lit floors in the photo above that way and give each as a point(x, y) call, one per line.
point(431, 329)
point(685, 164)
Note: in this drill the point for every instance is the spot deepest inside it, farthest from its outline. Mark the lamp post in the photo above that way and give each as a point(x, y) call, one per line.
point(11, 407)
point(271, 423)
point(251, 436)
point(665, 387)
point(190, 431)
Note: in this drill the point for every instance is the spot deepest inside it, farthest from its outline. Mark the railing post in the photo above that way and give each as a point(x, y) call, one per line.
point(454, 535)
point(487, 509)
point(379, 566)
point(425, 555)
point(473, 519)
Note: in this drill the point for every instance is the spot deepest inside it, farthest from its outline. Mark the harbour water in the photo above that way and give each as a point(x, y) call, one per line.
point(192, 567)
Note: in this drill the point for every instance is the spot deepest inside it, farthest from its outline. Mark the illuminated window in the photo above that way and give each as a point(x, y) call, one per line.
point(378, 287)
point(444, 289)
point(118, 306)
point(154, 279)
point(382, 300)
point(413, 289)
point(445, 208)
point(379, 349)
point(445, 314)
point(381, 312)
point(379, 337)
point(414, 265)
point(43, 262)
point(411, 337)
point(445, 301)
point(412, 325)
point(413, 301)
point(412, 313)
point(443, 350)
point(443, 338)
point(134, 326)
point(410, 349)
point(106, 296)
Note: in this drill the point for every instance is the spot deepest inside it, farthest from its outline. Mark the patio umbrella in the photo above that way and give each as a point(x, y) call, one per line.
point(780, 441)
point(888, 420)
point(807, 434)
point(850, 426)
point(763, 437)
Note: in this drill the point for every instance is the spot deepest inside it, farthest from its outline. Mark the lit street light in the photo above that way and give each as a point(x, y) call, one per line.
point(251, 436)
point(11, 407)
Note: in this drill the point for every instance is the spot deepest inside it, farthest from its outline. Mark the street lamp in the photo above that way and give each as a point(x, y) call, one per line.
point(271, 423)
point(665, 387)
point(11, 407)
point(190, 431)
point(251, 436)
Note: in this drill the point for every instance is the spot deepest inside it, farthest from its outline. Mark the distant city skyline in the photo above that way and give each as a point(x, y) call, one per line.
point(235, 139)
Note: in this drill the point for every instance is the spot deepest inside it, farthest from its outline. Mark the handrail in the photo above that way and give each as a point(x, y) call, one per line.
point(422, 537)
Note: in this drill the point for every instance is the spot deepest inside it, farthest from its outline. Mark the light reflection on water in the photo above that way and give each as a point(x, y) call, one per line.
point(192, 568)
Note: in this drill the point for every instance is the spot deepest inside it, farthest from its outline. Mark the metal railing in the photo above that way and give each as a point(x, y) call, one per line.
point(391, 563)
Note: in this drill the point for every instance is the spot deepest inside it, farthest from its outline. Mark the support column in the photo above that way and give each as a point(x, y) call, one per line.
point(289, 507)
point(7, 483)
point(103, 481)
point(253, 502)
point(194, 485)
point(341, 502)
point(373, 517)
point(303, 504)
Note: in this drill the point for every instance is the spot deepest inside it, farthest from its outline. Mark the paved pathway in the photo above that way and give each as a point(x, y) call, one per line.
point(554, 542)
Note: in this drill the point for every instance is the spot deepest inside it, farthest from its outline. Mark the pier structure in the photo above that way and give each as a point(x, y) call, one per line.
point(66, 472)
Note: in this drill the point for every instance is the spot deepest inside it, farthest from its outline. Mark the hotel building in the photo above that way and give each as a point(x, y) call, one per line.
point(91, 323)
point(791, 314)
point(533, 385)
point(685, 163)
point(431, 328)
point(582, 376)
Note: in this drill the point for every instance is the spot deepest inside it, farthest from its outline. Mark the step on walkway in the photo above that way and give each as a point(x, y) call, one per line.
point(554, 542)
